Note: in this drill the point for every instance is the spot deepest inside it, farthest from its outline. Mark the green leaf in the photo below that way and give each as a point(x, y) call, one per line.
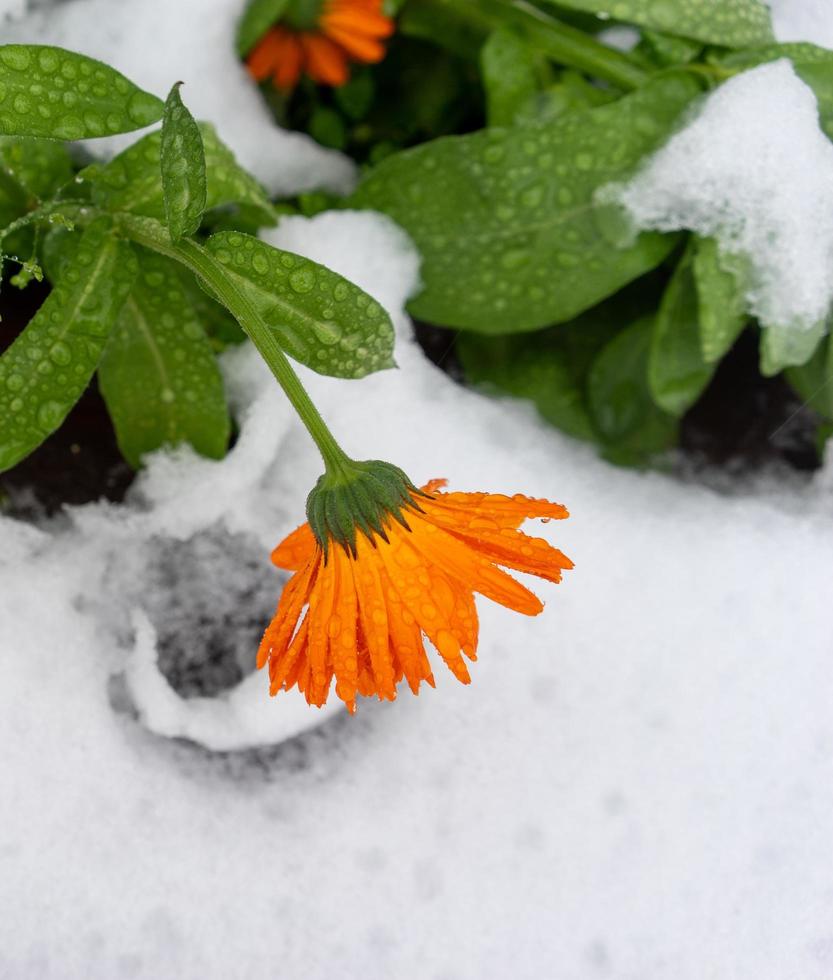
point(321, 319)
point(132, 181)
point(38, 167)
point(159, 376)
point(549, 367)
point(814, 380)
point(620, 400)
point(58, 94)
point(257, 18)
point(677, 373)
point(813, 65)
point(222, 329)
point(720, 298)
point(49, 365)
point(729, 23)
point(505, 220)
point(182, 164)
point(783, 347)
point(667, 51)
point(508, 70)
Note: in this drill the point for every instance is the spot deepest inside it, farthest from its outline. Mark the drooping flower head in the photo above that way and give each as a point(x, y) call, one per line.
point(380, 565)
point(319, 38)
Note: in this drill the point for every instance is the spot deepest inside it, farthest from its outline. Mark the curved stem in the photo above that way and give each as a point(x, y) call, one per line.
point(567, 45)
point(152, 234)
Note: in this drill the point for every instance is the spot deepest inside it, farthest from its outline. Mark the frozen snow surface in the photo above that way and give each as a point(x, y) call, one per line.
point(156, 43)
point(11, 8)
point(637, 785)
point(754, 170)
point(803, 20)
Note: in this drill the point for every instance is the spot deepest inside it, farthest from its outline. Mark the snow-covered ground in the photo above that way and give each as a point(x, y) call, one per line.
point(638, 784)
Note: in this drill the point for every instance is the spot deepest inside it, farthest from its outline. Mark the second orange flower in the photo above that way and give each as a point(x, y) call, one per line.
point(319, 38)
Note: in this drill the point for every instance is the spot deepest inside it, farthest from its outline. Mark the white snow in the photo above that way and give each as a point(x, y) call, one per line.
point(754, 170)
point(10, 9)
point(638, 783)
point(803, 20)
point(158, 42)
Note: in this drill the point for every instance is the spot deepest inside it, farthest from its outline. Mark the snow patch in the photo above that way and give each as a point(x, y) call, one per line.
point(803, 20)
point(754, 170)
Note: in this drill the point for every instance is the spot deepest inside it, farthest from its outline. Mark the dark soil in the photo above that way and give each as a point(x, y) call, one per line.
point(741, 417)
point(78, 463)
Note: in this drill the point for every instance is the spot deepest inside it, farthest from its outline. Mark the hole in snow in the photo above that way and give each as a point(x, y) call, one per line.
point(208, 599)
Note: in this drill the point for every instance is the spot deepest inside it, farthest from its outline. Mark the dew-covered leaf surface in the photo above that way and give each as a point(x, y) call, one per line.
point(320, 318)
point(159, 374)
point(505, 220)
point(50, 92)
point(182, 164)
point(45, 370)
point(728, 23)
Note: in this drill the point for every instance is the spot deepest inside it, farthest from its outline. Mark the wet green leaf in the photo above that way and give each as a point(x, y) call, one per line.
point(814, 380)
point(49, 365)
point(783, 347)
point(182, 165)
point(508, 71)
point(159, 376)
point(620, 400)
point(38, 167)
point(729, 23)
point(505, 219)
point(666, 51)
point(720, 298)
point(677, 373)
point(132, 181)
point(58, 94)
point(549, 368)
point(320, 318)
point(257, 18)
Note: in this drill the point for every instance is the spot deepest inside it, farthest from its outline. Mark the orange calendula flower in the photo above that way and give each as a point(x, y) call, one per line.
point(411, 571)
point(319, 38)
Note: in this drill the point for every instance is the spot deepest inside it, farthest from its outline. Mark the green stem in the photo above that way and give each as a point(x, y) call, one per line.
point(567, 45)
point(152, 235)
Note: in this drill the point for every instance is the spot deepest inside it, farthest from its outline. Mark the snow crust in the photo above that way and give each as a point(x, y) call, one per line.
point(638, 783)
point(754, 170)
point(803, 20)
point(156, 43)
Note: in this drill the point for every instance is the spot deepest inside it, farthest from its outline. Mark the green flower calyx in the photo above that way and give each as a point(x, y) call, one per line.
point(359, 496)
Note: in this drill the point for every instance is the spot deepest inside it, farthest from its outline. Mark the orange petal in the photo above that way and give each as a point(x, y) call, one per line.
point(357, 20)
point(296, 549)
point(406, 644)
point(284, 673)
point(463, 563)
point(373, 616)
point(344, 653)
point(502, 510)
point(358, 46)
point(514, 549)
point(411, 576)
point(279, 631)
point(325, 61)
point(262, 59)
point(289, 62)
point(322, 603)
